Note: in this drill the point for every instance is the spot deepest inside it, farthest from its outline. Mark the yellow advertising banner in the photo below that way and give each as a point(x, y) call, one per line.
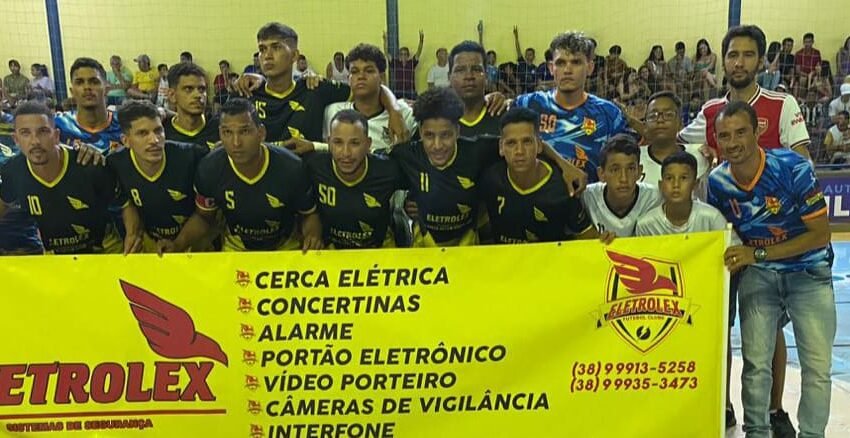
point(562, 339)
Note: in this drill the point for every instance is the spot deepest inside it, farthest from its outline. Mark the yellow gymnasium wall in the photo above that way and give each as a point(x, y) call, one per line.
point(779, 19)
point(226, 29)
point(23, 35)
point(636, 26)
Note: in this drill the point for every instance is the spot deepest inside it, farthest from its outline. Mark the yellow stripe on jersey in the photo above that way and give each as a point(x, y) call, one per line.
point(51, 184)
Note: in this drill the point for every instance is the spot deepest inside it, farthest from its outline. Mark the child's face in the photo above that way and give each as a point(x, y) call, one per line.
point(677, 183)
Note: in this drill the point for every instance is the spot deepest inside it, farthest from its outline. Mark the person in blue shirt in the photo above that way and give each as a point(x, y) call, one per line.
point(776, 205)
point(576, 124)
point(92, 123)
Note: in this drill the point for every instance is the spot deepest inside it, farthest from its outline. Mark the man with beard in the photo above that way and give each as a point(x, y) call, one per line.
point(91, 123)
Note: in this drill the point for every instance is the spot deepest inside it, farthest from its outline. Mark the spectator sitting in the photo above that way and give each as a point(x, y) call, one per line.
point(786, 62)
point(301, 69)
point(597, 83)
point(805, 60)
point(680, 69)
point(492, 72)
point(223, 84)
point(438, 74)
point(255, 67)
point(842, 62)
point(813, 113)
point(837, 140)
point(820, 80)
point(15, 84)
point(615, 69)
point(545, 79)
point(691, 108)
point(840, 103)
point(508, 84)
point(186, 57)
point(337, 70)
point(769, 77)
point(705, 64)
point(118, 80)
point(162, 89)
point(657, 68)
point(41, 85)
point(145, 81)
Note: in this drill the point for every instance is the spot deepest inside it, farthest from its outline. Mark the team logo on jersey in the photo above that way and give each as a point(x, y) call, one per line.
point(466, 183)
point(772, 204)
point(179, 219)
point(814, 197)
point(764, 124)
point(370, 201)
point(581, 157)
point(176, 195)
point(531, 237)
point(76, 204)
point(644, 300)
point(588, 126)
point(539, 216)
point(6, 151)
point(295, 106)
point(79, 229)
point(464, 209)
point(294, 132)
point(273, 224)
point(273, 201)
point(366, 228)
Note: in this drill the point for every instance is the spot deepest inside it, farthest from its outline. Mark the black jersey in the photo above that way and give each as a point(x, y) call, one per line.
point(485, 124)
point(543, 213)
point(167, 199)
point(260, 212)
point(357, 214)
point(447, 196)
point(297, 112)
point(206, 135)
point(71, 212)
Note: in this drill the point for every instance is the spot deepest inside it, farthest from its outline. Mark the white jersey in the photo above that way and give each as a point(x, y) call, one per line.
point(379, 130)
point(703, 218)
point(604, 219)
point(652, 169)
point(340, 76)
point(439, 76)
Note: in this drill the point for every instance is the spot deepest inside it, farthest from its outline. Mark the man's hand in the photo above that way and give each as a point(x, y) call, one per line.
point(574, 177)
point(710, 155)
point(497, 103)
point(312, 81)
point(311, 228)
point(299, 145)
point(247, 83)
point(516, 31)
point(738, 257)
point(165, 245)
point(421, 35)
point(88, 154)
point(398, 129)
point(133, 242)
point(607, 237)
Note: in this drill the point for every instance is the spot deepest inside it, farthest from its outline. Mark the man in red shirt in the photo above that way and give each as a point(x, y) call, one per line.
point(806, 59)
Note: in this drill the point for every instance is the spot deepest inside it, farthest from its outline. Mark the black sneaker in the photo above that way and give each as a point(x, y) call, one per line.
point(781, 425)
point(730, 418)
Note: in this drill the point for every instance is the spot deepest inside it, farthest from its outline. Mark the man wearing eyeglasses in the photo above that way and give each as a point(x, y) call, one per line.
point(662, 124)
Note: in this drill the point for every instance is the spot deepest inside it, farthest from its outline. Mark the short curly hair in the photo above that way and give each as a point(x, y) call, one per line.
point(438, 103)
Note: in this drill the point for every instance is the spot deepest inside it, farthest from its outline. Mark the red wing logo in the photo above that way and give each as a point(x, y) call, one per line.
point(644, 300)
point(251, 382)
point(169, 330)
point(639, 275)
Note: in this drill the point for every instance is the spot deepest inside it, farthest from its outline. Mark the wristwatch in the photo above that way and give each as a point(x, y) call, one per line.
point(760, 254)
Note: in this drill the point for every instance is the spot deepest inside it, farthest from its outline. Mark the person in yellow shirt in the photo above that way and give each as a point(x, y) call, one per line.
point(145, 80)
